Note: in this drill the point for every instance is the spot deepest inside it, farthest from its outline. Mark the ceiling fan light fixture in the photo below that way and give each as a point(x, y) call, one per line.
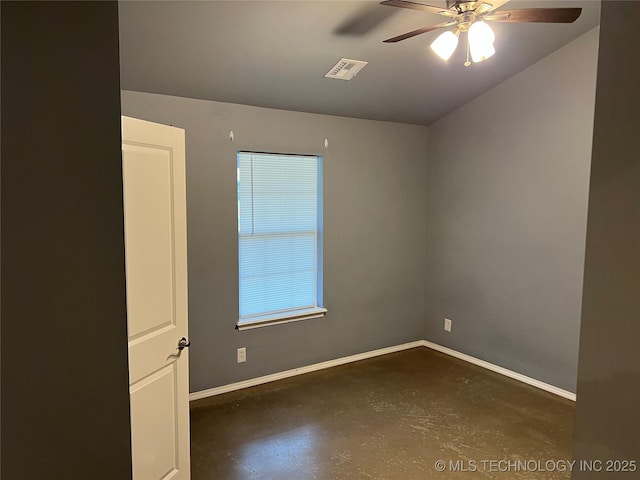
point(445, 44)
point(480, 54)
point(481, 39)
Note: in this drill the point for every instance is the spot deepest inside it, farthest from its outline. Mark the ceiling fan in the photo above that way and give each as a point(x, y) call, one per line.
point(470, 16)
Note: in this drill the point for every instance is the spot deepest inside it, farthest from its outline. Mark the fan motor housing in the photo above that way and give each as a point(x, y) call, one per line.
point(460, 5)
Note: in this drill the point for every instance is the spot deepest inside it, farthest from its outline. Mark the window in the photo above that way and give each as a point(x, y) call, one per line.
point(279, 238)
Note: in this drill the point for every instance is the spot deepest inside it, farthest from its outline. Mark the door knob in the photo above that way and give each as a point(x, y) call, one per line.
point(183, 343)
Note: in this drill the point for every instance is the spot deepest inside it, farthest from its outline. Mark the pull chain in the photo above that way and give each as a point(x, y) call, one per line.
point(467, 63)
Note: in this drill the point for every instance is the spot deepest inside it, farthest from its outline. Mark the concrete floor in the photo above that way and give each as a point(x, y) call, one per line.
point(390, 417)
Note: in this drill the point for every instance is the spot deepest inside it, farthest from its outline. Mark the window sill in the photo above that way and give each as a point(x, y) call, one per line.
point(269, 320)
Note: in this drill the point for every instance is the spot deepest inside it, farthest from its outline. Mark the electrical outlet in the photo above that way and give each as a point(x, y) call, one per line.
point(447, 325)
point(242, 354)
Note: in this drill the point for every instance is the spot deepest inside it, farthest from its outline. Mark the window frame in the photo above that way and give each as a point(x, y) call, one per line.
point(294, 314)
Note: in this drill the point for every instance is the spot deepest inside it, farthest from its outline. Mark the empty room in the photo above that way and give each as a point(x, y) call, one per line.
point(320, 240)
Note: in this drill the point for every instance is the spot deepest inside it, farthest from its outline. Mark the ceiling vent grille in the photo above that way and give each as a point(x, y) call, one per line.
point(346, 69)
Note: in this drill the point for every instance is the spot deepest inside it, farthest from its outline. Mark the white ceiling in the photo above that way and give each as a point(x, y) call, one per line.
point(274, 54)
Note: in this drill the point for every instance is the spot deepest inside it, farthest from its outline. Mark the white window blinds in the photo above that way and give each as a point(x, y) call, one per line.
point(279, 236)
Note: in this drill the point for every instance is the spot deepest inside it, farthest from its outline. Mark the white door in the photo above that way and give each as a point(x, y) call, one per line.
point(153, 160)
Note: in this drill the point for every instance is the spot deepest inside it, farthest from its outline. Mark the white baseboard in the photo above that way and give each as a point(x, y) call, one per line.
point(501, 370)
point(252, 382)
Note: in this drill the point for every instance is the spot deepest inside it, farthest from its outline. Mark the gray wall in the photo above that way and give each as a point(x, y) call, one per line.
point(374, 236)
point(607, 411)
point(506, 217)
point(65, 396)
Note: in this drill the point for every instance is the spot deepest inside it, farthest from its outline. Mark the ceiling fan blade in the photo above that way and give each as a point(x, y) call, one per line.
point(419, 31)
point(543, 15)
point(419, 6)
